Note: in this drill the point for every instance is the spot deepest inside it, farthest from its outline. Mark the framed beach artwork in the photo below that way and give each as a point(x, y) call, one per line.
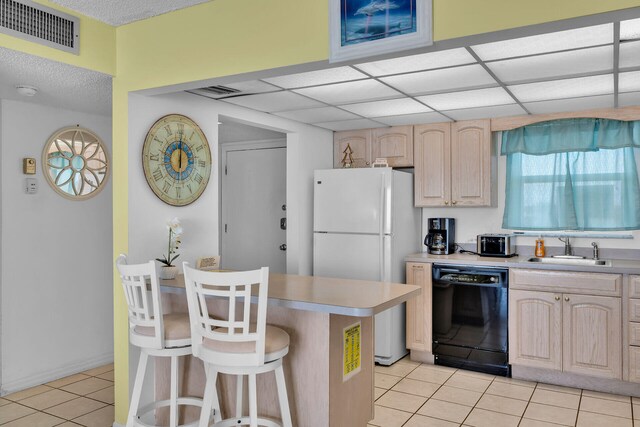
point(361, 28)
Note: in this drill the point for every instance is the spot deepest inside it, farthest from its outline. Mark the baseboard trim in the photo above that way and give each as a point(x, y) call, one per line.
point(567, 379)
point(51, 375)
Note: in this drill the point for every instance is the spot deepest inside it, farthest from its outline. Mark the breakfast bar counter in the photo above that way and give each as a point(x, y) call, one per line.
point(330, 366)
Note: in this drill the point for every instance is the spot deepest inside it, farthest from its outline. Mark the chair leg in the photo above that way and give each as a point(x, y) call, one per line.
point(253, 401)
point(239, 395)
point(137, 388)
point(283, 398)
point(210, 399)
point(173, 402)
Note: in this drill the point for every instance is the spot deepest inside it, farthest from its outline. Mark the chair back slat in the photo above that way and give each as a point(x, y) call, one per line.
point(234, 326)
point(142, 293)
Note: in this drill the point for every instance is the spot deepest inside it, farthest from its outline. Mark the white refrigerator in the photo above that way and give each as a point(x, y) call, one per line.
point(364, 225)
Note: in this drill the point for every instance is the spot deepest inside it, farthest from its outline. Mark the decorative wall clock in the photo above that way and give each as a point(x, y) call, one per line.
point(75, 163)
point(176, 160)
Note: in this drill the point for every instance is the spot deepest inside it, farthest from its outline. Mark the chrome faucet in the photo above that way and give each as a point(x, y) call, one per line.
point(596, 251)
point(568, 250)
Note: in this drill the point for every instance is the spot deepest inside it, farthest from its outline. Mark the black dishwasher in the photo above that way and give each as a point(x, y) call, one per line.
point(470, 318)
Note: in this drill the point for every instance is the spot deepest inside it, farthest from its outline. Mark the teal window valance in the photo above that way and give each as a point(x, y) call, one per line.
point(571, 135)
point(573, 174)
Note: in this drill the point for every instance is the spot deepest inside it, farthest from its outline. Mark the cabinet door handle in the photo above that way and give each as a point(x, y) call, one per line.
point(446, 202)
point(566, 298)
point(453, 202)
point(557, 298)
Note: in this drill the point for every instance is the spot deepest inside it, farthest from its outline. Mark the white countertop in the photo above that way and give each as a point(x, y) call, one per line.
point(617, 266)
point(359, 298)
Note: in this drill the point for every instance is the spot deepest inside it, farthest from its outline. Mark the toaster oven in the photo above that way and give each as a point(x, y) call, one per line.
point(496, 245)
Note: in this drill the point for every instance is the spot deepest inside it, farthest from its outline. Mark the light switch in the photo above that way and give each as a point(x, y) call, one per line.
point(31, 186)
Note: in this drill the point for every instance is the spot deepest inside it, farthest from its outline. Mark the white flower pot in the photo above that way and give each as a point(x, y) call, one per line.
point(168, 272)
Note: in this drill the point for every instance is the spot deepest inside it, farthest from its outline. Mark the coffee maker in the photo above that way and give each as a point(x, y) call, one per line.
point(441, 237)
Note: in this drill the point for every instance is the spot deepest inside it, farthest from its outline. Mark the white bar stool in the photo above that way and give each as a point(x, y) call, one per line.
point(234, 345)
point(156, 335)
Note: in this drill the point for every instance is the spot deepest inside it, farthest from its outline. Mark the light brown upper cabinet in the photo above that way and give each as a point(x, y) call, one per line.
point(360, 143)
point(395, 144)
point(453, 164)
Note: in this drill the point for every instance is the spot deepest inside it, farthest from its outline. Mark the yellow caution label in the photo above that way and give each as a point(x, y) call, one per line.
point(351, 350)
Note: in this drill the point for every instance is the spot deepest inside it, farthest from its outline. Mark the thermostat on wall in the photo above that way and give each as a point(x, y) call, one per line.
point(31, 186)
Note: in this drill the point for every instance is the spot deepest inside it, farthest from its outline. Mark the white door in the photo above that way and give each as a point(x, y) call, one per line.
point(350, 200)
point(360, 257)
point(347, 256)
point(253, 197)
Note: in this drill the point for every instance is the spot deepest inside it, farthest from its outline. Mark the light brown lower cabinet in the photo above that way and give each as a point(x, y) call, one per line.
point(634, 364)
point(569, 332)
point(419, 308)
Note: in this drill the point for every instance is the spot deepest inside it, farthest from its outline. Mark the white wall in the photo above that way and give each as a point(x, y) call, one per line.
point(56, 255)
point(308, 148)
point(473, 221)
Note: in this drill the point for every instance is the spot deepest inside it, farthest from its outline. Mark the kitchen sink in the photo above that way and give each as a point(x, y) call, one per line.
point(572, 261)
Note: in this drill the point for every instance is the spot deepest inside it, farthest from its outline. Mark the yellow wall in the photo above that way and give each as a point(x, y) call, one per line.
point(97, 45)
point(459, 18)
point(227, 37)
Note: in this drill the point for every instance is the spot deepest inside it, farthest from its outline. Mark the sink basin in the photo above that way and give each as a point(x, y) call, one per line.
point(572, 261)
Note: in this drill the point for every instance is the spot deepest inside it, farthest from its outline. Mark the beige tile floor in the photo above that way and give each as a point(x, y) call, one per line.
point(411, 394)
point(84, 399)
point(407, 394)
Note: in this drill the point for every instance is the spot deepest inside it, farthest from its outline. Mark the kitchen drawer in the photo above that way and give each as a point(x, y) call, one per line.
point(634, 310)
point(634, 364)
point(566, 282)
point(634, 333)
point(634, 286)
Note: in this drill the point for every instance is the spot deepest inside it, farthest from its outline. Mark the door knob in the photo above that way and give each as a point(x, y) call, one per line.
point(566, 298)
point(283, 247)
point(453, 202)
point(446, 202)
point(557, 298)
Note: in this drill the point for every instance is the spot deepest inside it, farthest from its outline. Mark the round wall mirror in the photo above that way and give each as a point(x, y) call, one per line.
point(75, 163)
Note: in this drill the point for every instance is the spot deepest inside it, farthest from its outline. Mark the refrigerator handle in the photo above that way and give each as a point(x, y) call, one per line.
point(381, 227)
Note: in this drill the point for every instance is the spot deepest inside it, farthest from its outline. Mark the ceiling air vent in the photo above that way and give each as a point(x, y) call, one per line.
point(36, 23)
point(220, 91)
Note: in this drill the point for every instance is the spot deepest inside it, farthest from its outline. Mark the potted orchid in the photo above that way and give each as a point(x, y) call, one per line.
point(168, 270)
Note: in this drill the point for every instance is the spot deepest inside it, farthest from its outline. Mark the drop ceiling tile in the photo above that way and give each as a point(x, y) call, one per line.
point(425, 61)
point(583, 61)
point(570, 104)
point(316, 115)
point(314, 78)
point(275, 101)
point(565, 88)
point(545, 43)
point(630, 29)
point(350, 92)
point(629, 54)
point(486, 112)
point(629, 99)
point(350, 125)
point(629, 82)
point(467, 76)
point(413, 119)
point(390, 107)
point(468, 99)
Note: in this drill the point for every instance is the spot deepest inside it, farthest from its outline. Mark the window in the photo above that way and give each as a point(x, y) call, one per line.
point(576, 174)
